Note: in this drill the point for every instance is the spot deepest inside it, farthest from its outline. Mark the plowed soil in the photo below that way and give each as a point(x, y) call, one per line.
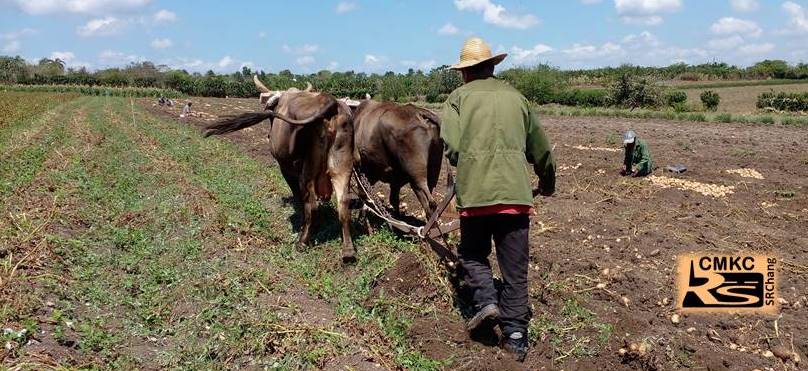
point(603, 249)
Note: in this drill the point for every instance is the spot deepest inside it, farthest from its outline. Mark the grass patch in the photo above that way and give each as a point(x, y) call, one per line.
point(738, 84)
point(564, 111)
point(577, 332)
point(794, 120)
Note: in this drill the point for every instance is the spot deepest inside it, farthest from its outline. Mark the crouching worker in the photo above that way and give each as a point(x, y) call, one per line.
point(638, 159)
point(491, 134)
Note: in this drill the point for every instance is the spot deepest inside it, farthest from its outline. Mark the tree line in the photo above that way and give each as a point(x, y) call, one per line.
point(541, 83)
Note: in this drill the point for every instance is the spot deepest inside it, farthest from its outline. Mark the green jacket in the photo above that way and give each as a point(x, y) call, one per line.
point(490, 135)
point(639, 158)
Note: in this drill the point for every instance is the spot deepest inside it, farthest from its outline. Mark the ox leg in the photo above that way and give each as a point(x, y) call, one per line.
point(309, 203)
point(291, 173)
point(424, 197)
point(395, 198)
point(341, 182)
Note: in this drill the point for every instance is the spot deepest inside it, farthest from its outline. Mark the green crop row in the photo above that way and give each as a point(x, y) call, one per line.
point(94, 90)
point(791, 102)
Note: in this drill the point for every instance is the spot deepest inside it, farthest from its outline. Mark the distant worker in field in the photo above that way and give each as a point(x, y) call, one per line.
point(637, 158)
point(491, 135)
point(186, 110)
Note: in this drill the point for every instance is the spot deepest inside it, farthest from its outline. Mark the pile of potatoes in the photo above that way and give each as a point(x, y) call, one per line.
point(714, 190)
point(746, 173)
point(590, 148)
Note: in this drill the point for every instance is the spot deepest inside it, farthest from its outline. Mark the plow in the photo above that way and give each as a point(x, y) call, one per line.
point(434, 234)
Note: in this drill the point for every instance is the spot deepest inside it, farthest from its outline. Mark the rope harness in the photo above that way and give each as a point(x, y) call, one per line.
point(429, 234)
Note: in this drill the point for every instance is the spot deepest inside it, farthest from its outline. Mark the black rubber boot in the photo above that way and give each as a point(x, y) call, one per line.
point(489, 311)
point(516, 344)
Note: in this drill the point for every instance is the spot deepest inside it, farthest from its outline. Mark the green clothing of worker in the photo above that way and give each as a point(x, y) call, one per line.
point(637, 159)
point(491, 134)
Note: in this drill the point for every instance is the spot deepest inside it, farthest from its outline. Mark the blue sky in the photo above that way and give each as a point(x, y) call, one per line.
point(375, 36)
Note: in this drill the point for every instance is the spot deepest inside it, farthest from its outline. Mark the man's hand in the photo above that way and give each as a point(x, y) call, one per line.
point(625, 172)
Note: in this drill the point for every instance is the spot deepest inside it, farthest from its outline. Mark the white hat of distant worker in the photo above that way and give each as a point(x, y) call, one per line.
point(629, 137)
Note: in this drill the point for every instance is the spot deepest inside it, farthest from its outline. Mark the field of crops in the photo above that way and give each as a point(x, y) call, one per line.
point(94, 90)
point(129, 241)
point(16, 107)
point(743, 99)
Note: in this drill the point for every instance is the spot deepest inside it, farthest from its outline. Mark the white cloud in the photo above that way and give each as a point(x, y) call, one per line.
point(164, 16)
point(225, 62)
point(529, 55)
point(18, 34)
point(726, 43)
point(448, 29)
point(644, 40)
point(67, 57)
point(305, 60)
point(586, 51)
point(262, 35)
point(161, 43)
point(756, 49)
point(375, 62)
point(332, 66)
point(92, 7)
point(744, 5)
point(100, 27)
point(372, 59)
point(12, 46)
point(116, 58)
point(422, 65)
point(497, 14)
point(345, 7)
point(735, 26)
point(646, 12)
point(303, 49)
point(799, 17)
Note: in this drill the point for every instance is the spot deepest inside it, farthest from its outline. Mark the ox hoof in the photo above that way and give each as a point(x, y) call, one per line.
point(301, 246)
point(348, 258)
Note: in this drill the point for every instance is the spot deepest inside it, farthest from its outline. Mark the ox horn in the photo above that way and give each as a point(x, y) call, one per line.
point(258, 84)
point(308, 87)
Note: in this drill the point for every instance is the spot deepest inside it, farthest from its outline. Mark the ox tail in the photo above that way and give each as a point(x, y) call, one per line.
point(236, 123)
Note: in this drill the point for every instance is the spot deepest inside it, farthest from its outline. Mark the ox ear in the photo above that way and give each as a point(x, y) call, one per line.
point(308, 87)
point(367, 96)
point(350, 102)
point(270, 100)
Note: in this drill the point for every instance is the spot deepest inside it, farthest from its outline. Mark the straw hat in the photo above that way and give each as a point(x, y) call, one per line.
point(476, 51)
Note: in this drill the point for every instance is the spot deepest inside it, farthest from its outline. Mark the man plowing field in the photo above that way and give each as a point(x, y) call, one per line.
point(491, 134)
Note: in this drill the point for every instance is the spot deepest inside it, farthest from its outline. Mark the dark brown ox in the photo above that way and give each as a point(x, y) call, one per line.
point(311, 137)
point(398, 145)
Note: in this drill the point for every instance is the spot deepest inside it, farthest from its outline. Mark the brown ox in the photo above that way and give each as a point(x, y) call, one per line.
point(398, 145)
point(311, 137)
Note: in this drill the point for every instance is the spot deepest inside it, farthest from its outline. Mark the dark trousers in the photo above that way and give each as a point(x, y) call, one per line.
point(510, 235)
